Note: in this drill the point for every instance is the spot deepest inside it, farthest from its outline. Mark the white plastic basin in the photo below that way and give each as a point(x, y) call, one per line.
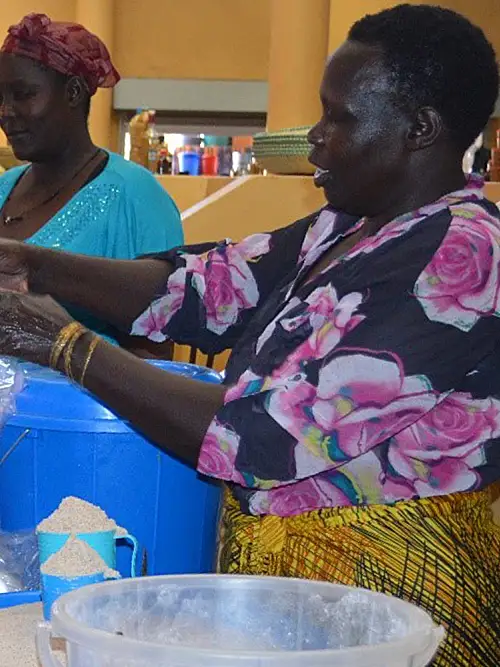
point(233, 621)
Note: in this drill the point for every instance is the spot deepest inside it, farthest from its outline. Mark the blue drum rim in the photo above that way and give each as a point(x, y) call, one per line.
point(16, 598)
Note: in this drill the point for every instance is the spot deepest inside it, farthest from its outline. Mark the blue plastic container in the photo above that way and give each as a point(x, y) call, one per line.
point(55, 587)
point(102, 542)
point(189, 162)
point(72, 445)
point(22, 597)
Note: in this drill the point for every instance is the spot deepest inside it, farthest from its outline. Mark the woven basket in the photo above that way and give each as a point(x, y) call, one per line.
point(284, 152)
point(290, 165)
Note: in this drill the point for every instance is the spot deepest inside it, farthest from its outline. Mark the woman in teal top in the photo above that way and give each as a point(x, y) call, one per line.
point(71, 195)
point(122, 213)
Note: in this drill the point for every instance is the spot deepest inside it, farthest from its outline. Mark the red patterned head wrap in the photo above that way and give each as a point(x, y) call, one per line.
point(68, 48)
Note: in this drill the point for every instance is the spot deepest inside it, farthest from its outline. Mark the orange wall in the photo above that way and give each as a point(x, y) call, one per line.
point(231, 36)
point(11, 12)
point(161, 38)
point(177, 39)
point(486, 13)
point(192, 39)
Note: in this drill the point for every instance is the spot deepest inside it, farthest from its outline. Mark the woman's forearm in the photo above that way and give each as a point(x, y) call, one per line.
point(172, 411)
point(116, 291)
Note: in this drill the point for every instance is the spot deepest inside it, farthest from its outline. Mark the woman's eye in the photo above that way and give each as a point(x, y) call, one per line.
point(22, 95)
point(332, 116)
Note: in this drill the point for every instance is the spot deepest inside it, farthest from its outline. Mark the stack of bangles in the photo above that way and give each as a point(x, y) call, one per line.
point(64, 347)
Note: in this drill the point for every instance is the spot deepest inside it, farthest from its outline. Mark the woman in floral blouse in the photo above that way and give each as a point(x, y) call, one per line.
point(358, 426)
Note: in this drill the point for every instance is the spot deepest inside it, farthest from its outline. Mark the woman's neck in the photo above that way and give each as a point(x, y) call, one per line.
point(76, 152)
point(419, 188)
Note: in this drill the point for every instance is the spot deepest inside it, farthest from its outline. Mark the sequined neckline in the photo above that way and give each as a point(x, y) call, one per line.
point(85, 209)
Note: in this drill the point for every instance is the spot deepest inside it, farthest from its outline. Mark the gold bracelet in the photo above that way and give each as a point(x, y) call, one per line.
point(69, 349)
point(62, 339)
point(90, 353)
point(60, 343)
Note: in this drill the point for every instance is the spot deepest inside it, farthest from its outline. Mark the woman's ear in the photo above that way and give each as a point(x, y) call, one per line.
point(75, 91)
point(425, 129)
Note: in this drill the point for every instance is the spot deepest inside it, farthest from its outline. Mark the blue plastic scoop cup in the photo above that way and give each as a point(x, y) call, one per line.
point(53, 587)
point(104, 543)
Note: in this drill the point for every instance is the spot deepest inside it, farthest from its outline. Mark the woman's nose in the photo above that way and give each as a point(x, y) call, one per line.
point(315, 136)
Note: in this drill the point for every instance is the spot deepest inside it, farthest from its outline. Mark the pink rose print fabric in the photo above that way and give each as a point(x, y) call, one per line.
point(377, 380)
point(461, 282)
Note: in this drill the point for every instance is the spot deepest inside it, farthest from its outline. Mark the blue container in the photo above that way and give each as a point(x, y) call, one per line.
point(54, 587)
point(73, 446)
point(102, 542)
point(189, 162)
point(22, 597)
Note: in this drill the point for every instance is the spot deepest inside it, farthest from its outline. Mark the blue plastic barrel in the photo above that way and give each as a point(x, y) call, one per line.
point(15, 599)
point(71, 445)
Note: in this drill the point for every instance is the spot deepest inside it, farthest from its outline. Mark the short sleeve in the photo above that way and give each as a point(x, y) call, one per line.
point(157, 220)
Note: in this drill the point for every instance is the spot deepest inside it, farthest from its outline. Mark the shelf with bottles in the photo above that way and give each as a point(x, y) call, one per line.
point(213, 160)
point(188, 155)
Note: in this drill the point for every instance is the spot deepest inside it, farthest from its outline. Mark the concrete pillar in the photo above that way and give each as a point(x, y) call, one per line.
point(299, 47)
point(98, 17)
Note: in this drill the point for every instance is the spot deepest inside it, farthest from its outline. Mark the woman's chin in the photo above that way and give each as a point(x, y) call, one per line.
point(22, 153)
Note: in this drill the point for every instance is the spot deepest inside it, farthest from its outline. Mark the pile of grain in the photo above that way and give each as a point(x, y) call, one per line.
point(76, 559)
point(17, 637)
point(75, 515)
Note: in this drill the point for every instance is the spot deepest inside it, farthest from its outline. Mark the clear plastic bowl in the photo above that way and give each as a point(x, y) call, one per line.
point(229, 621)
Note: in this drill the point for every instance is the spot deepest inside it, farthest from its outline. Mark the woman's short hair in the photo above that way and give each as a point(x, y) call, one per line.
point(436, 58)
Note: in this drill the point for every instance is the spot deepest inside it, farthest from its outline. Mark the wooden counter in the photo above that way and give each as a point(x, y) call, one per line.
point(187, 191)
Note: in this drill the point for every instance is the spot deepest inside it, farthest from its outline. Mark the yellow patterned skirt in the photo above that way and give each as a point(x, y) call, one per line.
point(442, 554)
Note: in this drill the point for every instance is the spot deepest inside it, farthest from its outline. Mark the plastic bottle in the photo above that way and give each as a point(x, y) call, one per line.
point(164, 162)
point(245, 162)
point(139, 142)
point(153, 143)
point(254, 168)
point(175, 162)
point(189, 161)
point(225, 160)
point(209, 161)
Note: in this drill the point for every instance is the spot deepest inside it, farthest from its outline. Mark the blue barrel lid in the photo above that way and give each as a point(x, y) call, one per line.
point(20, 597)
point(50, 401)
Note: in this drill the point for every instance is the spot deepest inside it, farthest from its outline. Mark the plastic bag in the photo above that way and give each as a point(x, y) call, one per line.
point(18, 551)
point(19, 565)
point(11, 383)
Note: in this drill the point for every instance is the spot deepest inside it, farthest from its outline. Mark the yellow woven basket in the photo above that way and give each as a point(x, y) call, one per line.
point(290, 165)
point(284, 152)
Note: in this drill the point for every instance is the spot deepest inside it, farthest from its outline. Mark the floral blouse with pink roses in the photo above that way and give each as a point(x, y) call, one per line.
point(376, 381)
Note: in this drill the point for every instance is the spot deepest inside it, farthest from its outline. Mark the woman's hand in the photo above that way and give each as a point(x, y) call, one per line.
point(14, 272)
point(115, 291)
point(29, 325)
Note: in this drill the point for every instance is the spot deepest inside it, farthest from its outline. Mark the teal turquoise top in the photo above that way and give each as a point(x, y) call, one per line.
point(122, 213)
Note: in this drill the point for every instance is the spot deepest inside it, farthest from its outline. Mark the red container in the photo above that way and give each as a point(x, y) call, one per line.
point(209, 161)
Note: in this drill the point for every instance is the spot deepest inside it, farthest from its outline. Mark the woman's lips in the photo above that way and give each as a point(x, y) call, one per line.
point(14, 137)
point(321, 177)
